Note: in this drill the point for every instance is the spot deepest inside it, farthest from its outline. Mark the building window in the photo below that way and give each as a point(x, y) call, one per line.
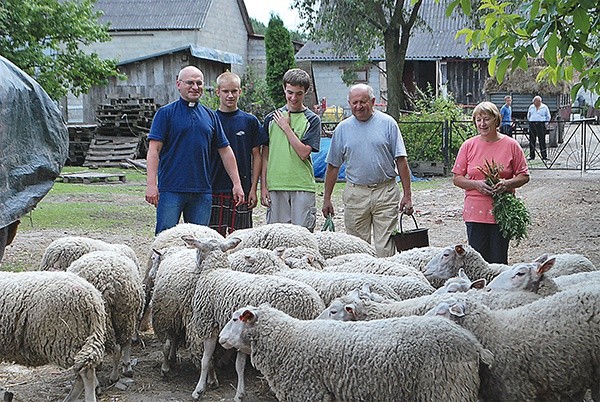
point(357, 76)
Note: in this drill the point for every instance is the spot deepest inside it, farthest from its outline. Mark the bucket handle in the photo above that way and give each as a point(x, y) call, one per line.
point(400, 221)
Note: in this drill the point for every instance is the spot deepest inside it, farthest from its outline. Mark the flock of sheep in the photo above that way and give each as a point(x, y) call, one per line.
point(320, 316)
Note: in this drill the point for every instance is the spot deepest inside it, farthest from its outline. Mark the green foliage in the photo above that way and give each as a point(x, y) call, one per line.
point(564, 32)
point(358, 27)
point(280, 57)
point(260, 29)
point(210, 99)
point(422, 130)
point(510, 212)
point(255, 97)
point(44, 38)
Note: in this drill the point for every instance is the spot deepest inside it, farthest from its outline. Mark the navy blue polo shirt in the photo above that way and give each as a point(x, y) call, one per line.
point(188, 131)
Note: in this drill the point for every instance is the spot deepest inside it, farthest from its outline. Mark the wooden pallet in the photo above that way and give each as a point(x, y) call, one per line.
point(111, 151)
point(91, 177)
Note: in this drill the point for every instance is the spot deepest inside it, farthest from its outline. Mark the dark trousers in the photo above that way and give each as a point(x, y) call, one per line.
point(506, 129)
point(537, 129)
point(488, 241)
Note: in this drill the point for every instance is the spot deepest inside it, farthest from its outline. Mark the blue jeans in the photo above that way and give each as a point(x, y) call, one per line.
point(195, 207)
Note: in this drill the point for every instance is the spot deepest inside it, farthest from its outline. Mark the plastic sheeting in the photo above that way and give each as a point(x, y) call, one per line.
point(319, 164)
point(34, 143)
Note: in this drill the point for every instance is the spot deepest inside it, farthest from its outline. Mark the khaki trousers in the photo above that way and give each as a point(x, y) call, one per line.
point(373, 210)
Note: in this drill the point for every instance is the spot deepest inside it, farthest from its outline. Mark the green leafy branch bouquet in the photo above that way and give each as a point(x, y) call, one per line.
point(509, 211)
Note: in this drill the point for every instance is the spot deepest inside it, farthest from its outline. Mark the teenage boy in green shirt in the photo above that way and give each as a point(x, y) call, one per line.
point(288, 180)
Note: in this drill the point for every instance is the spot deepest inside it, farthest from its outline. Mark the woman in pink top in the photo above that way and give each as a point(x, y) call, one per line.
point(482, 230)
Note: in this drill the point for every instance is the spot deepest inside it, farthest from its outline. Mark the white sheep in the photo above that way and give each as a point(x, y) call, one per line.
point(330, 285)
point(63, 251)
point(379, 266)
point(56, 318)
point(402, 359)
point(220, 291)
point(256, 260)
point(364, 307)
point(531, 277)
point(275, 235)
point(359, 258)
point(447, 263)
point(452, 258)
point(118, 279)
point(333, 244)
point(578, 279)
point(546, 350)
point(316, 259)
point(417, 257)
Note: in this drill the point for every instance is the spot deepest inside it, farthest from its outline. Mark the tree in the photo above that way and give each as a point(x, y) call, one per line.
point(45, 38)
point(280, 57)
point(564, 32)
point(360, 26)
point(260, 29)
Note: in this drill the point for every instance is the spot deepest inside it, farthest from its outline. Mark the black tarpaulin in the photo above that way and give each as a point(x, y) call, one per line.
point(34, 142)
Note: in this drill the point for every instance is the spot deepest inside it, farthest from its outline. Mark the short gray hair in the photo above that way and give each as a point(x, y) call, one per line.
point(362, 87)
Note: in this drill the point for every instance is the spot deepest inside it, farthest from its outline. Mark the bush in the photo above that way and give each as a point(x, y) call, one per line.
point(423, 130)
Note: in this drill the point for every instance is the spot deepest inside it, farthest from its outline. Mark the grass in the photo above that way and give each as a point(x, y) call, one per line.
point(96, 206)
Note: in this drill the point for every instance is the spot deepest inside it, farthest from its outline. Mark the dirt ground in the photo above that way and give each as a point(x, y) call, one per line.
point(564, 210)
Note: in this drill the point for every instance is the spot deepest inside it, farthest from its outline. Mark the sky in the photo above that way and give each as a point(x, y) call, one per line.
point(261, 11)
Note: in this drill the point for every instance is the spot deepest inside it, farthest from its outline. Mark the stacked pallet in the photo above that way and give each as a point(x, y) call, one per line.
point(80, 137)
point(123, 127)
point(126, 116)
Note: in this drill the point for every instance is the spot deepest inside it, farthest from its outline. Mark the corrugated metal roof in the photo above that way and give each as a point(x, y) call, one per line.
point(200, 52)
point(135, 15)
point(424, 44)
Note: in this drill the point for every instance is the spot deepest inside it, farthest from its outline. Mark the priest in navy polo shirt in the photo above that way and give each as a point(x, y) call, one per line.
point(179, 152)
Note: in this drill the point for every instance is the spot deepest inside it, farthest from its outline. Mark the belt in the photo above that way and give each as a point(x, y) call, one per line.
point(376, 185)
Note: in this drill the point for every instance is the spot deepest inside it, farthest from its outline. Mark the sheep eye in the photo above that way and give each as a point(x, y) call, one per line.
point(332, 312)
point(520, 273)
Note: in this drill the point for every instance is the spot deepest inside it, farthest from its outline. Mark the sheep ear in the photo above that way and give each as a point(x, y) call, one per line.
point(247, 316)
point(457, 309)
point(478, 284)
point(350, 310)
point(460, 249)
point(461, 274)
point(366, 288)
point(191, 241)
point(546, 265)
point(542, 258)
point(229, 243)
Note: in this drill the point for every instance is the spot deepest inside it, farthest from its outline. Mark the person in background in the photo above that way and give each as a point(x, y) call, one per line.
point(245, 135)
point(288, 180)
point(371, 145)
point(483, 231)
point(538, 115)
point(181, 137)
point(506, 114)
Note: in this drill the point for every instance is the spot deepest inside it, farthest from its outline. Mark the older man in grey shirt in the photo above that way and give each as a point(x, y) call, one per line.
point(371, 145)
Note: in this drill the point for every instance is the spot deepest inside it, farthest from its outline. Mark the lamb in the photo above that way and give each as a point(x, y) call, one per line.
point(118, 279)
point(276, 235)
point(461, 283)
point(316, 260)
point(333, 244)
point(546, 350)
point(401, 359)
point(63, 251)
point(53, 317)
point(220, 291)
point(330, 285)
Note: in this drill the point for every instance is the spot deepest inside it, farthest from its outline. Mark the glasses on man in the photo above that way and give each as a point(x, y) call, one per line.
point(190, 83)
